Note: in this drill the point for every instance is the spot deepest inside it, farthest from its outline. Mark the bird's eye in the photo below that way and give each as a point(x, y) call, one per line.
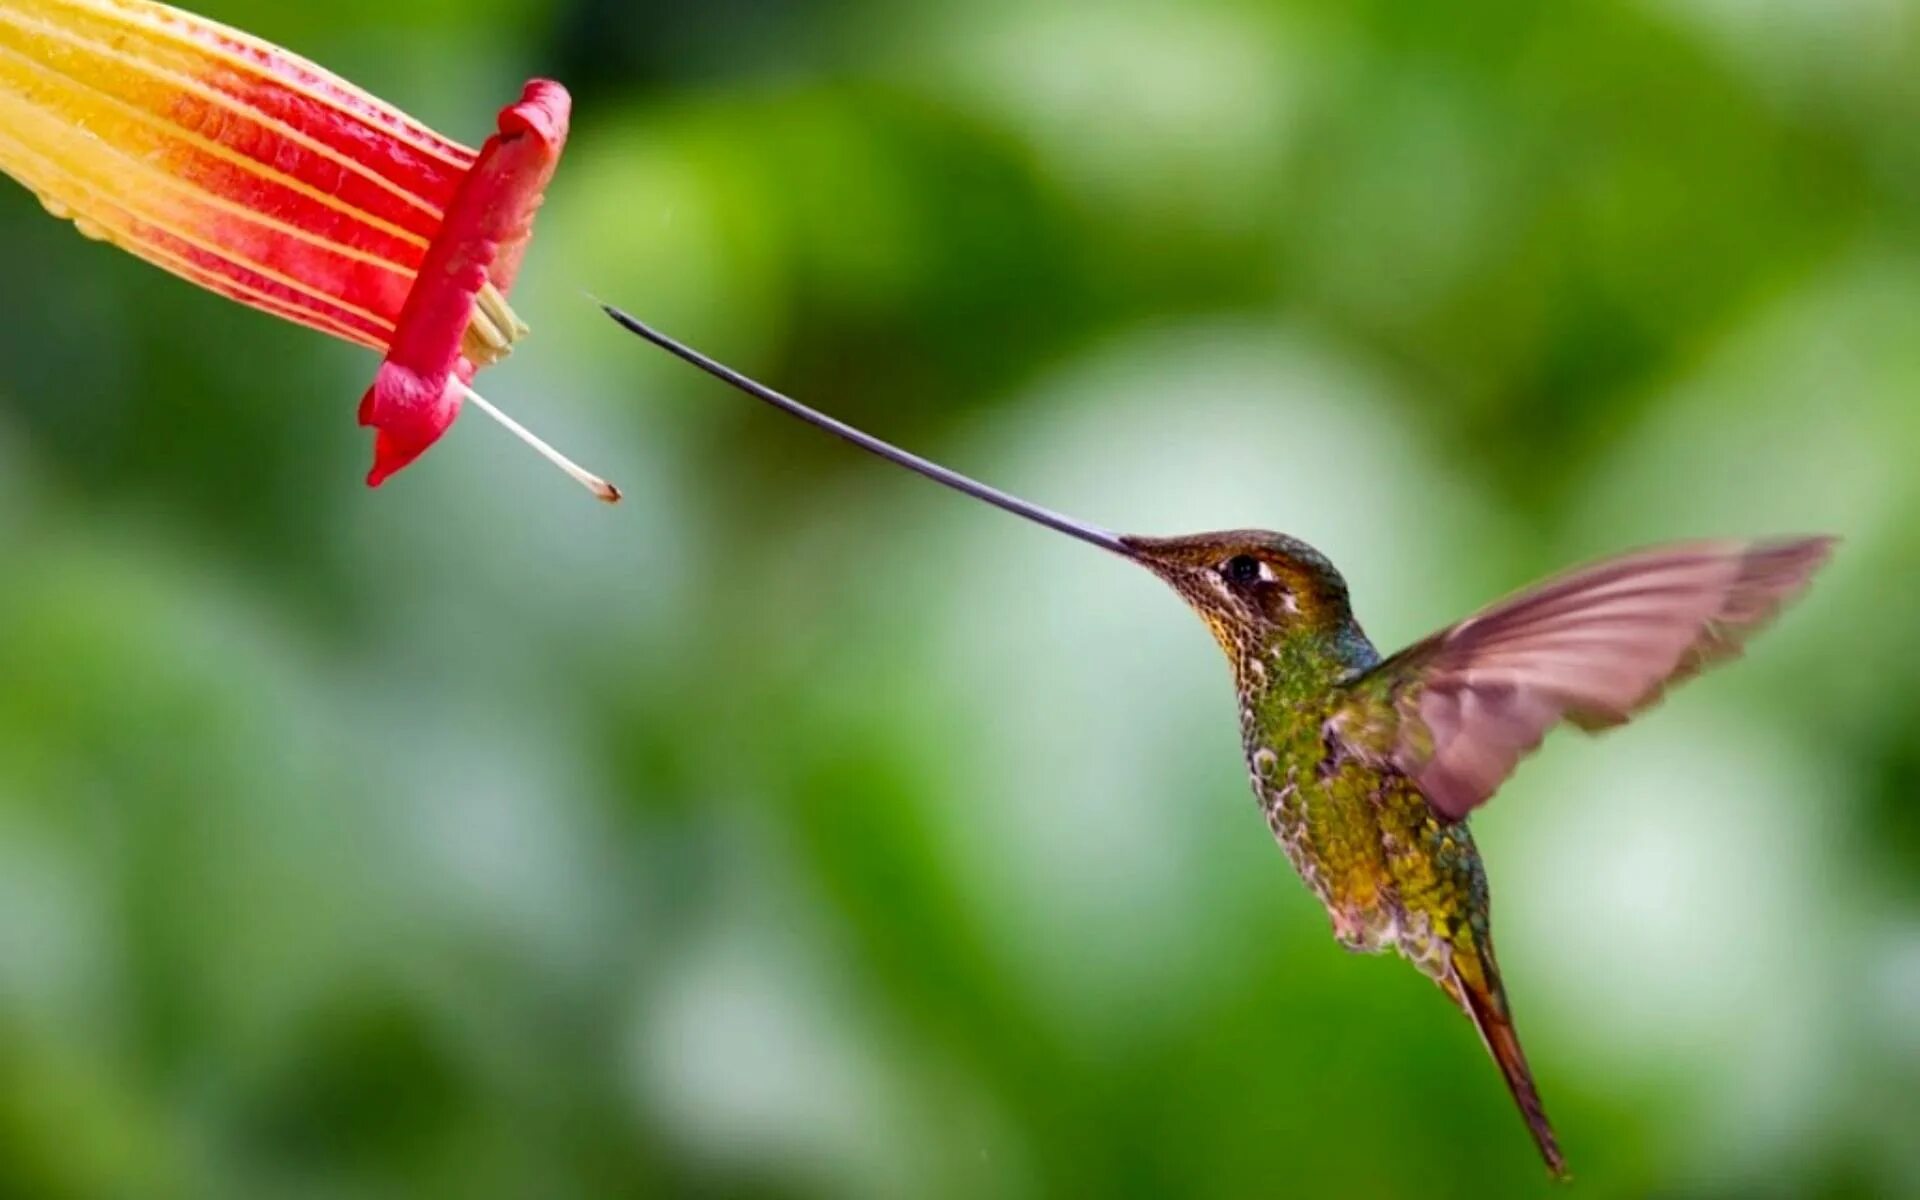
point(1243, 568)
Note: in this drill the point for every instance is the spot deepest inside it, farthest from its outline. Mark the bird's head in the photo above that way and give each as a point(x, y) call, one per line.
point(1250, 586)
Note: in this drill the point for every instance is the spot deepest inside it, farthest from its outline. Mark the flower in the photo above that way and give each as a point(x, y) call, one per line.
point(252, 172)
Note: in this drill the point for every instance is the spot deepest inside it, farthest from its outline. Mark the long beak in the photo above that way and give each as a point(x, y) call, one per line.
point(1090, 534)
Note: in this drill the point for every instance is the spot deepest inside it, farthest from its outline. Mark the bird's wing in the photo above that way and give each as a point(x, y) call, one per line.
point(1456, 711)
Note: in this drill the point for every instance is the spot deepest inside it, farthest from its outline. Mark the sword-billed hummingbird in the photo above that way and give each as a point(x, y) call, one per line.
point(1366, 768)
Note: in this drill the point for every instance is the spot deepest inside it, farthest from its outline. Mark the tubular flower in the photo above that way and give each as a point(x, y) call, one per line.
point(254, 173)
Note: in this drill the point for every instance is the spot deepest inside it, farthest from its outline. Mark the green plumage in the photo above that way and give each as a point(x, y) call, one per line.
point(1391, 875)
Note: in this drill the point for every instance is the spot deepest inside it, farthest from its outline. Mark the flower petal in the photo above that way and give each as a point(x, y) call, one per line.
point(228, 161)
point(417, 393)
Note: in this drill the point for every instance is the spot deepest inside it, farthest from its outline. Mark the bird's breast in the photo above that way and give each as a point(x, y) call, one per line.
point(1320, 809)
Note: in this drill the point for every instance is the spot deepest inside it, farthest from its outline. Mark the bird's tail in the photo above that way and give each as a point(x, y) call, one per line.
point(1474, 982)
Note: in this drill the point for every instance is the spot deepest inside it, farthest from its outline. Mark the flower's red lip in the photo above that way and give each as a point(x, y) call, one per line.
point(416, 394)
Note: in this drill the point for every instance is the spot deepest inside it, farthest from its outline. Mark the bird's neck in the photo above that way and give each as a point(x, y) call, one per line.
point(1299, 666)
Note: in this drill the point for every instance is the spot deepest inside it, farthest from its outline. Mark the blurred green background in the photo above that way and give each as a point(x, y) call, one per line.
point(799, 829)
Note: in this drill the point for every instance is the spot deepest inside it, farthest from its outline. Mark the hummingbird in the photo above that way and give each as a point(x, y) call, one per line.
point(1365, 767)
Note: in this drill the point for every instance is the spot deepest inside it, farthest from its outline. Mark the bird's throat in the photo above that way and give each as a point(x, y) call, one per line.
point(1299, 667)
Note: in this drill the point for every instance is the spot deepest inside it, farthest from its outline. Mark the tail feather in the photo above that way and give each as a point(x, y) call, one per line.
point(1475, 984)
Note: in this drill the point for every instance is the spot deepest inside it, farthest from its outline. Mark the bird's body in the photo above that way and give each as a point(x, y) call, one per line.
point(1366, 767)
point(1390, 873)
point(1325, 809)
point(1361, 836)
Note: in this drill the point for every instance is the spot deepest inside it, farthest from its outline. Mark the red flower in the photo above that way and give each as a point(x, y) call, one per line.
point(254, 173)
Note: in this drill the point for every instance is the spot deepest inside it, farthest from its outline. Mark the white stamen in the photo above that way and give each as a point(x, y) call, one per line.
point(587, 479)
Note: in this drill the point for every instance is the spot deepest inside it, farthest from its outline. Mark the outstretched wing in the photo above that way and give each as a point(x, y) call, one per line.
point(1595, 646)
